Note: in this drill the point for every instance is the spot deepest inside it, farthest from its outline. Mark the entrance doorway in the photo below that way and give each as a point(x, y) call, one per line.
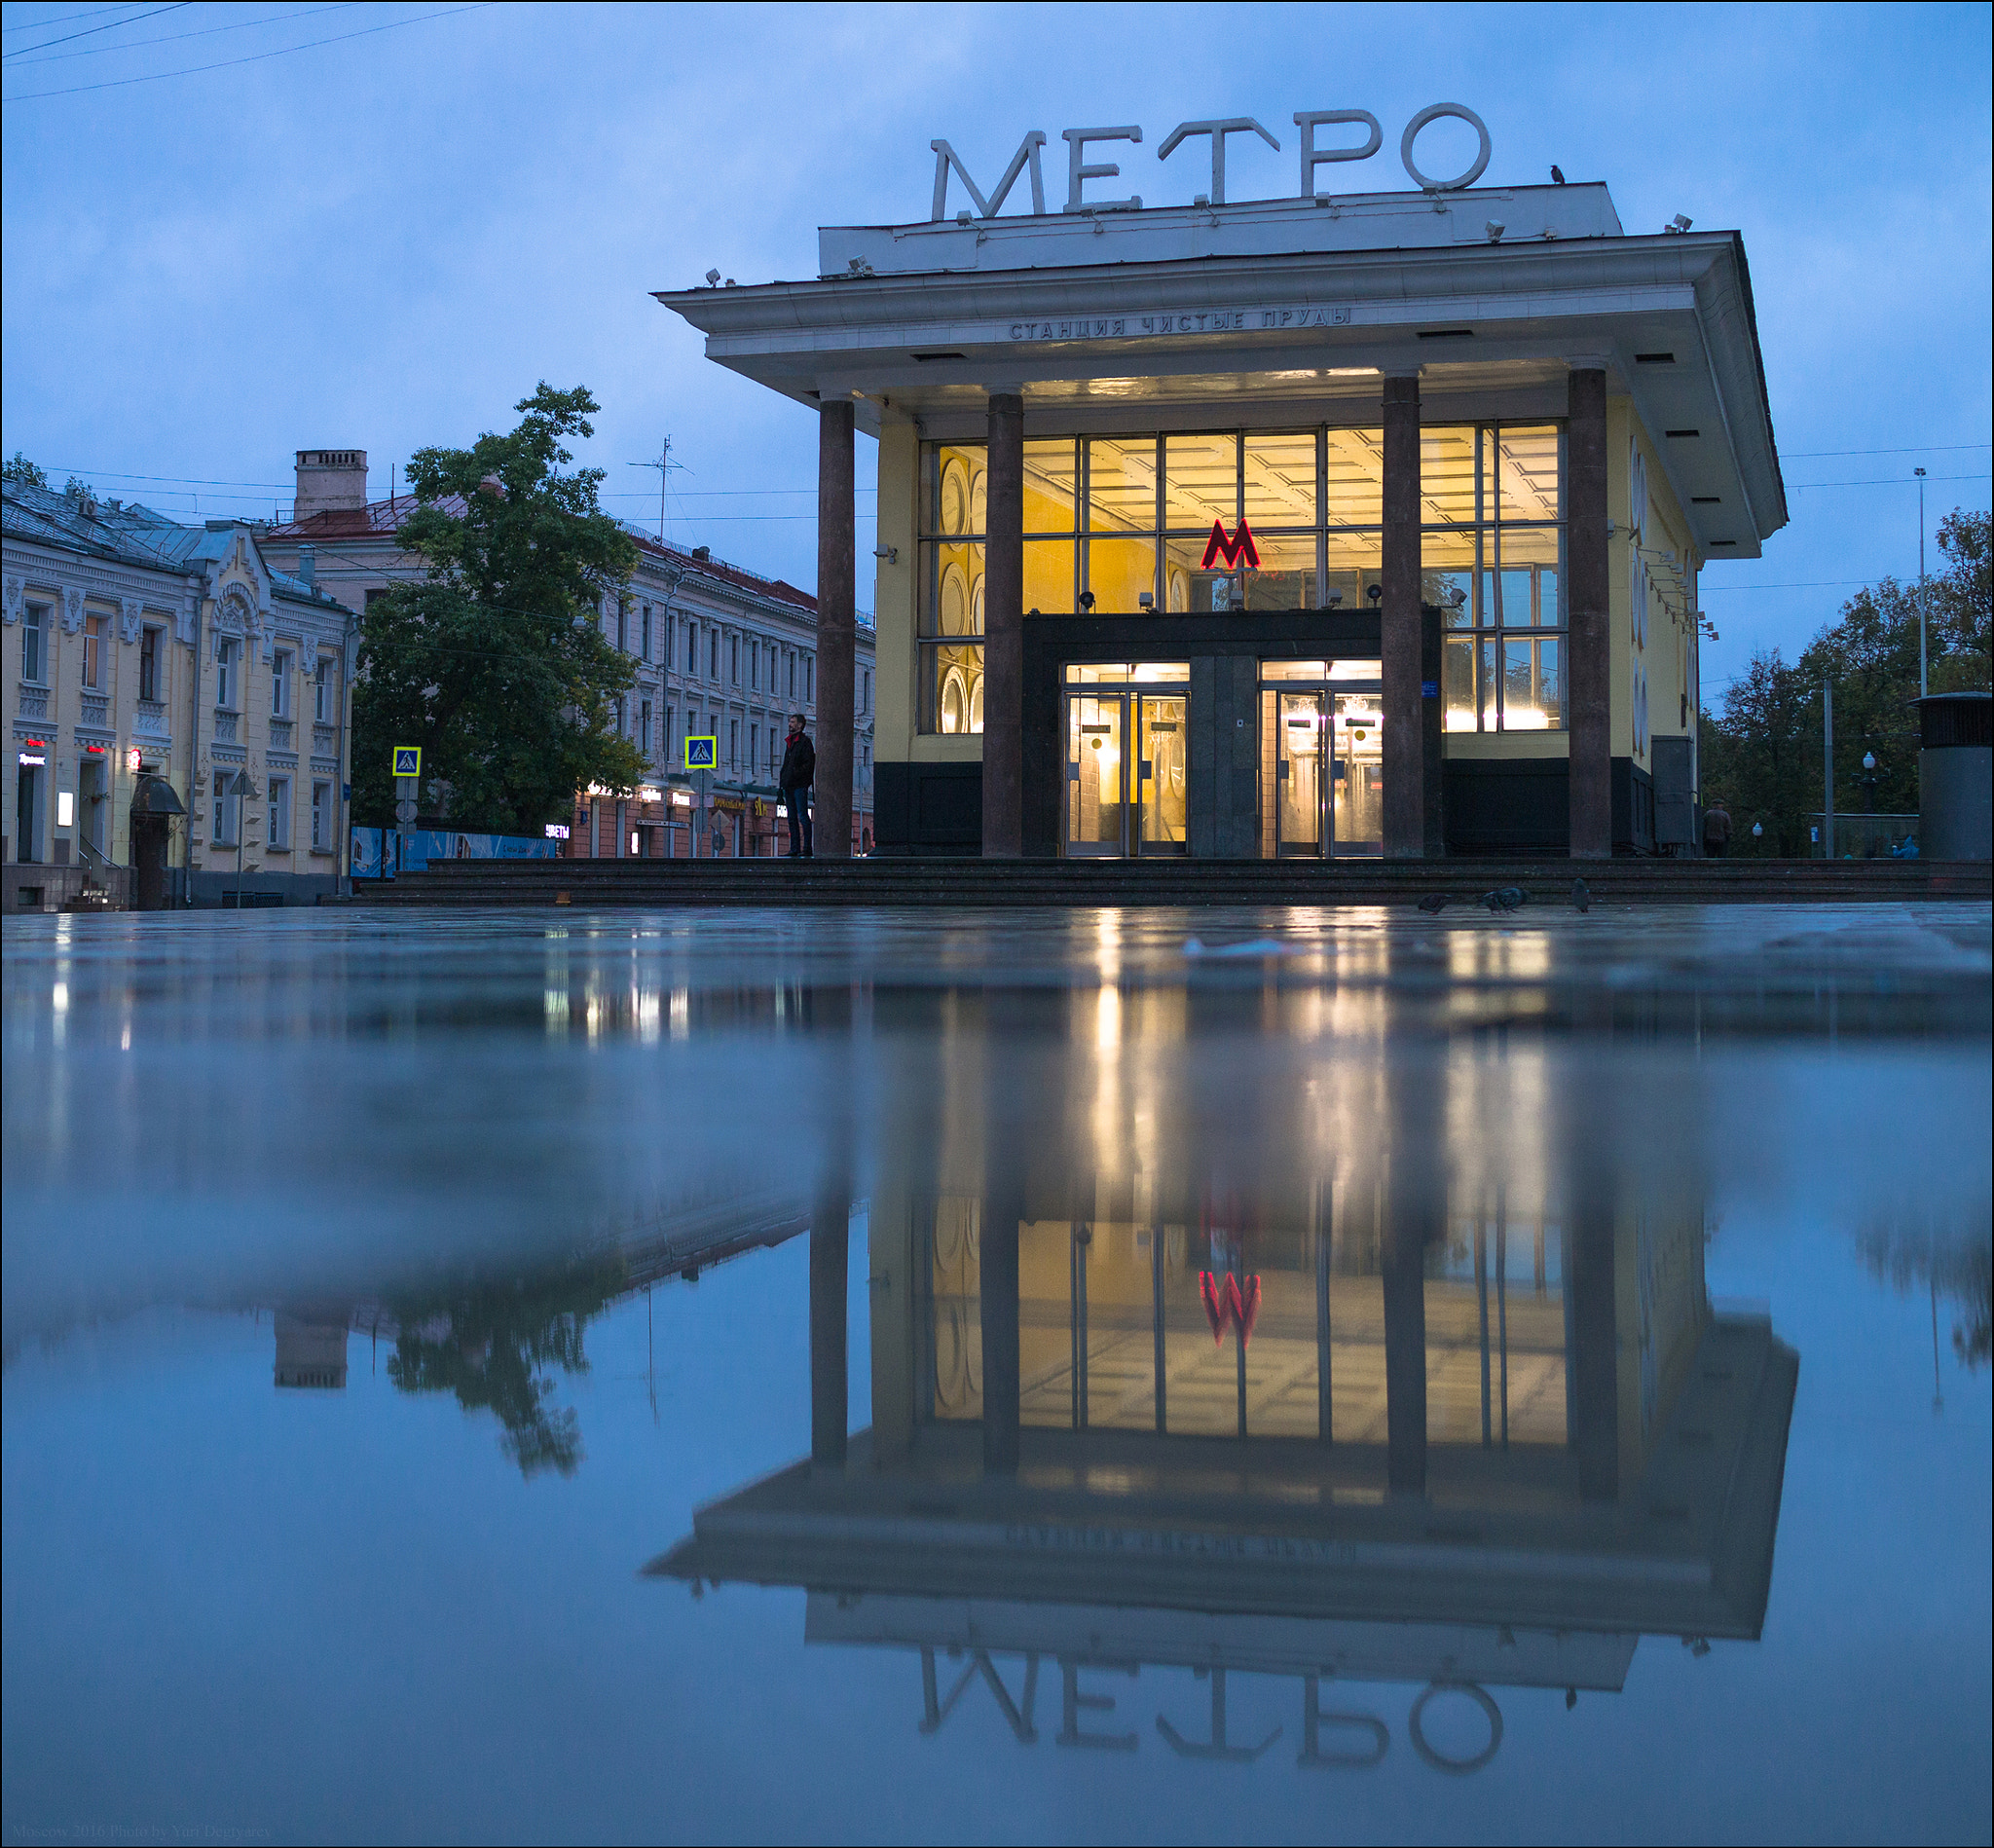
point(1322, 787)
point(1127, 750)
point(28, 808)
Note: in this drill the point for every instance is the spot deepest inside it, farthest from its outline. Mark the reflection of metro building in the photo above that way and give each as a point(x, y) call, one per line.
point(1294, 526)
point(1429, 1403)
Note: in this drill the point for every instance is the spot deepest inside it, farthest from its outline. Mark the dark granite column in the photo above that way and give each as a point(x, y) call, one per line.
point(830, 1255)
point(997, 1301)
point(1594, 1360)
point(1590, 670)
point(1405, 1357)
point(836, 632)
point(1004, 632)
point(1405, 797)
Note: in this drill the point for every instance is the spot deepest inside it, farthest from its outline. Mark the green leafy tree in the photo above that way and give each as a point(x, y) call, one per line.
point(1763, 747)
point(491, 1341)
point(19, 471)
point(495, 663)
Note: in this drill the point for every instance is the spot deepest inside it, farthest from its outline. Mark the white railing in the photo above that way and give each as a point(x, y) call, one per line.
point(225, 726)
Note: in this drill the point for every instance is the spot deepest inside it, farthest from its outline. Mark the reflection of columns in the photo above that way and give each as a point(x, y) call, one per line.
point(1405, 1355)
point(1589, 673)
point(997, 1300)
point(1405, 826)
point(1593, 1359)
point(1004, 631)
point(836, 633)
point(830, 1255)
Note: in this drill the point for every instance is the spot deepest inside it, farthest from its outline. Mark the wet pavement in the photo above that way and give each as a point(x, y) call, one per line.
point(1287, 1375)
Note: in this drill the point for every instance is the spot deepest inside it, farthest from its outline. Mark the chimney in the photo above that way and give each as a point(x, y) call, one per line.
point(329, 480)
point(307, 567)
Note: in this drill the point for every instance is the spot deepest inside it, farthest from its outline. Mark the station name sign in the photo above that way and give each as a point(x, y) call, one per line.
point(1024, 163)
point(1213, 320)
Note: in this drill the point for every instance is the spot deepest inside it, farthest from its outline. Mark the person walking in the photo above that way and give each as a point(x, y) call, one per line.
point(1717, 830)
point(798, 772)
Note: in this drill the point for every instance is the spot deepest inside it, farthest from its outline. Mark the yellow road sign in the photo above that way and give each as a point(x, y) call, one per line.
point(408, 760)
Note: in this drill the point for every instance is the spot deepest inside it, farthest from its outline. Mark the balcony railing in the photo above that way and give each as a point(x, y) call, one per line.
point(226, 725)
point(281, 734)
point(324, 740)
point(96, 710)
point(34, 702)
point(149, 719)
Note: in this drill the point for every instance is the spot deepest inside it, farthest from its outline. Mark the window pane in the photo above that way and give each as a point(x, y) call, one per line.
point(1121, 485)
point(1519, 688)
point(1486, 688)
point(955, 473)
point(1286, 577)
point(1526, 466)
point(1048, 486)
point(1447, 476)
point(1354, 559)
point(1550, 681)
point(952, 689)
point(1119, 572)
point(952, 600)
point(1457, 683)
point(1280, 480)
point(1550, 612)
point(1049, 584)
point(1530, 546)
point(1447, 562)
point(1355, 486)
point(1201, 481)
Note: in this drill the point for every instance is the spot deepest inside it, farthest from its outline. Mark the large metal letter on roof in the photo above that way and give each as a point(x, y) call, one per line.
point(1218, 130)
point(1027, 156)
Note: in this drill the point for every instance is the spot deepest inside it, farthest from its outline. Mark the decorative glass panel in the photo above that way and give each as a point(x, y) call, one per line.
point(953, 596)
point(955, 473)
point(1049, 485)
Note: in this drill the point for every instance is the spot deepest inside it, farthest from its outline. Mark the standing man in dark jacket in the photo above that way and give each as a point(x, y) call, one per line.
point(798, 772)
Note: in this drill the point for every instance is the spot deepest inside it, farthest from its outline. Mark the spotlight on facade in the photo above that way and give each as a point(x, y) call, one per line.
point(1087, 600)
point(713, 278)
point(1331, 598)
point(1145, 601)
point(1677, 225)
point(1457, 596)
point(1495, 231)
point(890, 553)
point(1375, 592)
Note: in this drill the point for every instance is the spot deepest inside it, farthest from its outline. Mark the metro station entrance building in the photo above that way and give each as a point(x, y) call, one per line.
point(1305, 527)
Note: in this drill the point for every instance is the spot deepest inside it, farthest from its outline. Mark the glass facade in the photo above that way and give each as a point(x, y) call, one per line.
point(1127, 522)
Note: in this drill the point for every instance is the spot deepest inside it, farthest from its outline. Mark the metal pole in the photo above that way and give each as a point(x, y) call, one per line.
point(1923, 688)
point(1828, 767)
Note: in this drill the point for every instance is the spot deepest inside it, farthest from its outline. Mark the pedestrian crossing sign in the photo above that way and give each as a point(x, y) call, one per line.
point(702, 754)
point(408, 760)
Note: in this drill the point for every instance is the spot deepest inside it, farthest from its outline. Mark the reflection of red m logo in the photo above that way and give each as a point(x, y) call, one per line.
point(1239, 546)
point(1225, 1303)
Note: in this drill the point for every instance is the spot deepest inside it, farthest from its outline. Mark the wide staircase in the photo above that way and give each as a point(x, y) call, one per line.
point(601, 883)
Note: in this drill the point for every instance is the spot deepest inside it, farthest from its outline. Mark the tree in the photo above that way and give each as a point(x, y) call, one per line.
point(19, 472)
point(1763, 748)
point(495, 663)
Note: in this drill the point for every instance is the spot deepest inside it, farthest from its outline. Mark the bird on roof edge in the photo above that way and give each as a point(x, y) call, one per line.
point(1557, 176)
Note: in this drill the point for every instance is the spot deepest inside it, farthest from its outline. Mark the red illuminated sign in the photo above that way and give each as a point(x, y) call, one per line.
point(1224, 1303)
point(1239, 547)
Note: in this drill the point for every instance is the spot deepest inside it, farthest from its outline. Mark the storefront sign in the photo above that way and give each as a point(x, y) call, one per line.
point(558, 831)
point(1239, 547)
point(1080, 169)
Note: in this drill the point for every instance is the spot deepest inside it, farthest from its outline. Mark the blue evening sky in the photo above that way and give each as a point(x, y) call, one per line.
point(385, 239)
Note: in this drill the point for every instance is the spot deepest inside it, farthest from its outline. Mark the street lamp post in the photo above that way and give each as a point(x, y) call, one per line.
point(1923, 688)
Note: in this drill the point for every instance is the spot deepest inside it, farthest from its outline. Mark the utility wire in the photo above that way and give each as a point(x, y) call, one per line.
point(110, 26)
point(254, 58)
point(169, 38)
point(1815, 454)
point(64, 19)
point(1885, 481)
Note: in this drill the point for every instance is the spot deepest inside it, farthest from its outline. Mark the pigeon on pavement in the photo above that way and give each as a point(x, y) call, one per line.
point(1434, 903)
point(1582, 896)
point(1504, 898)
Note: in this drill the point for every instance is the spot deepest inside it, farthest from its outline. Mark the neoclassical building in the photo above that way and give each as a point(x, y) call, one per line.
point(176, 709)
point(1327, 524)
point(718, 651)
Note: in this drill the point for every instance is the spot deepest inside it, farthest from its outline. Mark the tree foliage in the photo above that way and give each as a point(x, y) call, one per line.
point(495, 662)
point(1762, 749)
point(17, 471)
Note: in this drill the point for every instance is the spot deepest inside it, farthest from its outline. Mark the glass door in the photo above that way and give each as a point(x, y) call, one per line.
point(1097, 767)
point(1358, 802)
point(1301, 765)
point(1159, 768)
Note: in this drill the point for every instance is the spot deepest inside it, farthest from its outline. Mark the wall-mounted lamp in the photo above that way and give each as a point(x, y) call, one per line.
point(1087, 600)
point(890, 553)
point(1374, 593)
point(1457, 596)
point(1495, 231)
point(1144, 600)
point(1331, 598)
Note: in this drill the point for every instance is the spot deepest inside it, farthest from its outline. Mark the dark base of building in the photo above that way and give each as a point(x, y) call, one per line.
point(1495, 809)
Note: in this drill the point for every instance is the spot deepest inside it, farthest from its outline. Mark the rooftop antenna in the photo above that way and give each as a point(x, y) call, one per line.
point(664, 464)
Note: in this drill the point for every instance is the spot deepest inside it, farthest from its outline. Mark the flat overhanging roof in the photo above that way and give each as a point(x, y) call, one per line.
point(1293, 309)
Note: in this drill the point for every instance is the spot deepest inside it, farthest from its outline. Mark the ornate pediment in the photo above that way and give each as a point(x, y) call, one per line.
point(72, 608)
point(17, 597)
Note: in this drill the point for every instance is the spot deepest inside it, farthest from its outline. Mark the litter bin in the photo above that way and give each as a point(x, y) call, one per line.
point(1955, 775)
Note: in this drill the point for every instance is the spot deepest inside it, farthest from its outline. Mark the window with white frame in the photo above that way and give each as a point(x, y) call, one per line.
point(280, 811)
point(150, 647)
point(321, 694)
point(228, 807)
point(281, 683)
point(34, 649)
point(227, 652)
point(322, 817)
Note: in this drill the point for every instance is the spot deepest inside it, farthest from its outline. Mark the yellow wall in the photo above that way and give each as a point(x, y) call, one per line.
point(1669, 653)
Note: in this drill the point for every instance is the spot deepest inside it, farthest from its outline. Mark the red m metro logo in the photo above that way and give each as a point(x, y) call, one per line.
point(1227, 1303)
point(1233, 550)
